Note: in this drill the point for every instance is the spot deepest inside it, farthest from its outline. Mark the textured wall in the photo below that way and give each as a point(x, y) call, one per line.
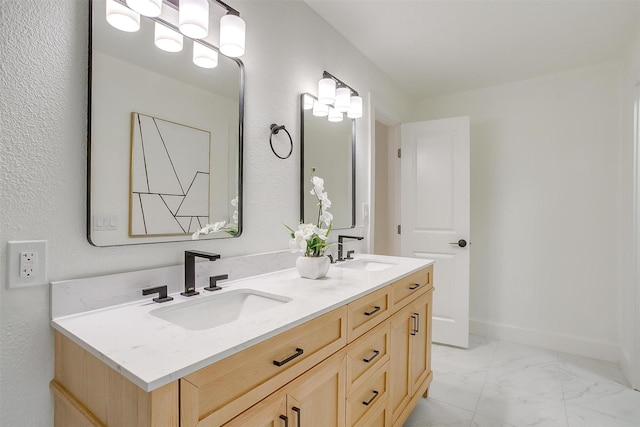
point(43, 162)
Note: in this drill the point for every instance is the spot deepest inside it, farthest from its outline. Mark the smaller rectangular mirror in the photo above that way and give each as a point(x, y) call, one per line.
point(329, 149)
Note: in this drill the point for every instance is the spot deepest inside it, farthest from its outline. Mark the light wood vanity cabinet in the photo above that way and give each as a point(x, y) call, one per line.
point(364, 364)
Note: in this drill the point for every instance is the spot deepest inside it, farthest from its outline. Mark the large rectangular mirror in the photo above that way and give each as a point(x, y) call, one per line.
point(328, 148)
point(165, 136)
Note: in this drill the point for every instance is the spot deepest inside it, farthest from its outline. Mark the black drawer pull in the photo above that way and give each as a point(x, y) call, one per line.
point(415, 325)
point(297, 411)
point(375, 394)
point(299, 351)
point(375, 354)
point(414, 286)
point(376, 308)
point(285, 419)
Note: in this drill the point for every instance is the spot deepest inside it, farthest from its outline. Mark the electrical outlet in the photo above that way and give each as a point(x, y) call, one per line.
point(26, 263)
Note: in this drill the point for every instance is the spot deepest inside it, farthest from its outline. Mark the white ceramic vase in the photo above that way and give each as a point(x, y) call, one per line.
point(312, 267)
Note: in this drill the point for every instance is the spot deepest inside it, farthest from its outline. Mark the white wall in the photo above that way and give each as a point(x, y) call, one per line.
point(629, 297)
point(545, 202)
point(43, 161)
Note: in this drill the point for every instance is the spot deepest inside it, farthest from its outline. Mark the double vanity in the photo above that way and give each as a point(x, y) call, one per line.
point(274, 349)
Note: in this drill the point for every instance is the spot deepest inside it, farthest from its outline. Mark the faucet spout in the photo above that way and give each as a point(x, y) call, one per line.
point(190, 270)
point(341, 238)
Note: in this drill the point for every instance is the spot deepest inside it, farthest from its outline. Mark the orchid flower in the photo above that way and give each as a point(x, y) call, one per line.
point(311, 239)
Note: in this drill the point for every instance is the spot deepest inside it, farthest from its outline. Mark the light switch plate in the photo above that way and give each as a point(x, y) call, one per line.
point(35, 262)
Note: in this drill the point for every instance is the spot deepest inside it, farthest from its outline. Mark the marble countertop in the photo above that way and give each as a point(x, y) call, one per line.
point(152, 352)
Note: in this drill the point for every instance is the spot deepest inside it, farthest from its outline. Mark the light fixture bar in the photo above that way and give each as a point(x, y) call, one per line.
point(174, 4)
point(339, 83)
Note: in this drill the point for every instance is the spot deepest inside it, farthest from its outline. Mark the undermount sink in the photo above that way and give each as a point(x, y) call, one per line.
point(366, 265)
point(212, 311)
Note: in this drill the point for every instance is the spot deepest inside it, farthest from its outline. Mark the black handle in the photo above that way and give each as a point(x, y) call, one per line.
point(414, 331)
point(298, 412)
point(161, 291)
point(285, 419)
point(368, 402)
point(299, 351)
point(462, 243)
point(417, 322)
point(414, 286)
point(376, 308)
point(349, 253)
point(375, 354)
point(213, 282)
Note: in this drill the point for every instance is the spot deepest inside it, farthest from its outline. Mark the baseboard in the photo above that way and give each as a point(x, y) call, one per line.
point(565, 343)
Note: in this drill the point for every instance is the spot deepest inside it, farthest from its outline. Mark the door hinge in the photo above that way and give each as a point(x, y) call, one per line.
point(399, 153)
point(399, 229)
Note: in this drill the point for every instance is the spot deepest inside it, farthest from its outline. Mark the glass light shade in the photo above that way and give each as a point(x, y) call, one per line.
point(327, 91)
point(146, 7)
point(193, 18)
point(343, 99)
point(167, 39)
point(355, 111)
point(232, 35)
point(320, 109)
point(121, 17)
point(204, 56)
point(334, 115)
point(307, 102)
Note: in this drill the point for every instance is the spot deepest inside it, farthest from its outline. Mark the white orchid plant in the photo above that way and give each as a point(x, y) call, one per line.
point(311, 239)
point(230, 228)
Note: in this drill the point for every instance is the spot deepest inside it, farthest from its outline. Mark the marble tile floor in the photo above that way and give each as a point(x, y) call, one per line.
point(501, 384)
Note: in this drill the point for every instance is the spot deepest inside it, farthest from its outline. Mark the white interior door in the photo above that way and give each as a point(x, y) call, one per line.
point(435, 214)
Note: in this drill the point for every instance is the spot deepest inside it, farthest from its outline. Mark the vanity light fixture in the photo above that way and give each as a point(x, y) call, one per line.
point(334, 115)
point(326, 91)
point(341, 98)
point(307, 102)
point(193, 18)
point(355, 110)
point(320, 109)
point(167, 39)
point(146, 7)
point(193, 21)
point(204, 56)
point(121, 17)
point(232, 35)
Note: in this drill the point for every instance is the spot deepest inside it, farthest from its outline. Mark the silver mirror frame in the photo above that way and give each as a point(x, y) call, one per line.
point(303, 169)
point(187, 237)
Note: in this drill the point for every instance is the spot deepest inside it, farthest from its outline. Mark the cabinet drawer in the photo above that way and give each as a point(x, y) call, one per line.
point(378, 418)
point(369, 353)
point(407, 288)
point(364, 401)
point(217, 393)
point(366, 312)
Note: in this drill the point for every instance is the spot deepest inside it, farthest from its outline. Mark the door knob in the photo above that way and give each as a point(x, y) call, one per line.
point(462, 243)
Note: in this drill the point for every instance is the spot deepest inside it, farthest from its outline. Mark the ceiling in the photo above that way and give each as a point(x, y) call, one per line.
point(434, 47)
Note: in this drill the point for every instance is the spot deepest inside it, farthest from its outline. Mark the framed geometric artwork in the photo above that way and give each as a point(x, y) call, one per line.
point(169, 185)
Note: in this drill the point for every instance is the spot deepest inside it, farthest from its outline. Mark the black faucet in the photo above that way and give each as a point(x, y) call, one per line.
point(341, 237)
point(190, 270)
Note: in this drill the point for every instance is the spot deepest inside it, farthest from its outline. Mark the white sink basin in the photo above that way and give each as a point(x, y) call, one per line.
point(216, 310)
point(366, 265)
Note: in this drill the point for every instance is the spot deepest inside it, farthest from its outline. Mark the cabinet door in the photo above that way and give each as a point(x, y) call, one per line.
point(317, 398)
point(270, 412)
point(420, 342)
point(400, 387)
